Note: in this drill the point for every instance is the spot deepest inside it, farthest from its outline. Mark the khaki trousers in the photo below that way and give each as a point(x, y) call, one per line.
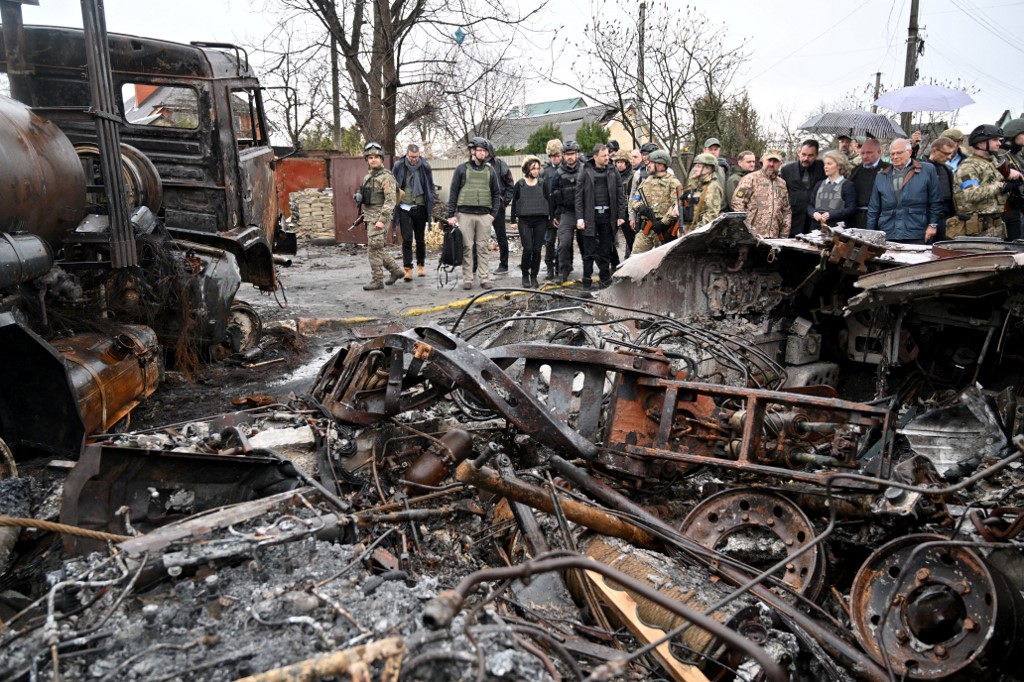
point(476, 233)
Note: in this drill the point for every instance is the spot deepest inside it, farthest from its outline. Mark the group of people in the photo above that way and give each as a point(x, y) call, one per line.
point(960, 186)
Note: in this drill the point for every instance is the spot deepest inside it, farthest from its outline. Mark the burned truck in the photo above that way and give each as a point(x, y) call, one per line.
point(137, 195)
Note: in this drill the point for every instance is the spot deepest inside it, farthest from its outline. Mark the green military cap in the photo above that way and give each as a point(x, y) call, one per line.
point(711, 142)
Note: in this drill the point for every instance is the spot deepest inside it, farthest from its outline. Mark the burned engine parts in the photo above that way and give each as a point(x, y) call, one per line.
point(759, 529)
point(657, 427)
point(930, 609)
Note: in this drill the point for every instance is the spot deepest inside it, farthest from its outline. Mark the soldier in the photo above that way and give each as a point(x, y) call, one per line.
point(746, 162)
point(377, 196)
point(563, 207)
point(765, 199)
point(624, 164)
point(655, 203)
point(979, 191)
point(713, 147)
point(1014, 131)
point(703, 183)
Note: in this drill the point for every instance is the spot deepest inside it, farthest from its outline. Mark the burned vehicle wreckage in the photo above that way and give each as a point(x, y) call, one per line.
point(746, 459)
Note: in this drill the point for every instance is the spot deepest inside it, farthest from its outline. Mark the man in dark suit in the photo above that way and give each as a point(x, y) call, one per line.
point(863, 178)
point(801, 176)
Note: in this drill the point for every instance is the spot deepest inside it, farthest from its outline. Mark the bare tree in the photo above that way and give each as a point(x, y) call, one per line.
point(388, 46)
point(295, 70)
point(686, 57)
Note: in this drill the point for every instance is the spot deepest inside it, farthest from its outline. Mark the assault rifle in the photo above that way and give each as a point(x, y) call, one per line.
point(650, 223)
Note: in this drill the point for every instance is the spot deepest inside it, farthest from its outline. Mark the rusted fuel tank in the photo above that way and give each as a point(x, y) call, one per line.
point(42, 185)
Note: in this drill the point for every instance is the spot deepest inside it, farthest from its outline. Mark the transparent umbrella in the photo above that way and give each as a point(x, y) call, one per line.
point(854, 122)
point(924, 98)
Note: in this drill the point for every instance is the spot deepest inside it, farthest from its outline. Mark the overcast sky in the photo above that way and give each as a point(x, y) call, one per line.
point(804, 52)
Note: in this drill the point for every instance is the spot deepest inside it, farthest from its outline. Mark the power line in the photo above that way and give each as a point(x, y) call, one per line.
point(806, 43)
point(987, 27)
point(951, 11)
point(978, 73)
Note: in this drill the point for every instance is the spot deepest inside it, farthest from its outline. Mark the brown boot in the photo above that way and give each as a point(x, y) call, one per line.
point(420, 271)
point(408, 274)
point(395, 276)
point(373, 286)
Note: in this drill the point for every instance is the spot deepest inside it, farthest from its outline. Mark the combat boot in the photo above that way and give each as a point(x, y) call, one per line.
point(373, 286)
point(526, 282)
point(407, 276)
point(395, 276)
point(420, 271)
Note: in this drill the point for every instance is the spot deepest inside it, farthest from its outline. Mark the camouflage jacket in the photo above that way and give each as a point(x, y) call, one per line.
point(661, 194)
point(710, 200)
point(766, 202)
point(978, 187)
point(382, 181)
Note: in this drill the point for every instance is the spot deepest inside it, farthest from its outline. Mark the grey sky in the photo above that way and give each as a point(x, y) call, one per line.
point(804, 52)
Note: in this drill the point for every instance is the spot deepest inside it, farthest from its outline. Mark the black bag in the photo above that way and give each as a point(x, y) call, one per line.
point(451, 247)
point(451, 255)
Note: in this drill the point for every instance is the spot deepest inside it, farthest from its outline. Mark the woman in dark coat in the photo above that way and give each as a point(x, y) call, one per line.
point(834, 199)
point(530, 217)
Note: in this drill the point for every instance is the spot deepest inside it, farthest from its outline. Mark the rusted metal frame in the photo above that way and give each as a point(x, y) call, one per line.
point(833, 642)
point(650, 363)
point(756, 401)
point(439, 612)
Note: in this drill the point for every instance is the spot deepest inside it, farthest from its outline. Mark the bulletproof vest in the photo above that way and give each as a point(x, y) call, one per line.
point(373, 195)
point(531, 201)
point(601, 197)
point(566, 197)
point(830, 197)
point(476, 191)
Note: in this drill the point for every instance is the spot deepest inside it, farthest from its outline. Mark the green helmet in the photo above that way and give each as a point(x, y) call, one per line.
point(706, 159)
point(660, 156)
point(1013, 128)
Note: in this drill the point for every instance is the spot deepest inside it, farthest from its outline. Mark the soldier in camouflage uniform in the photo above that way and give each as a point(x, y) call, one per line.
point(660, 193)
point(763, 196)
point(979, 191)
point(377, 196)
point(703, 184)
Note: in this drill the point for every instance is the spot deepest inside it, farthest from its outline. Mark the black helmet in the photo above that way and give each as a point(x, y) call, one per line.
point(373, 149)
point(613, 146)
point(647, 147)
point(479, 142)
point(571, 146)
point(986, 131)
point(1013, 128)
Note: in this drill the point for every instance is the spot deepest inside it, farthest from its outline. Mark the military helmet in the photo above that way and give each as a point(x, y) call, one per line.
point(553, 147)
point(622, 155)
point(1013, 128)
point(613, 146)
point(661, 156)
point(647, 147)
point(373, 149)
point(706, 159)
point(478, 142)
point(986, 131)
point(571, 146)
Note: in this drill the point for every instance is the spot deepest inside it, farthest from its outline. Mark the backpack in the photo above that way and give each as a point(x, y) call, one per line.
point(451, 254)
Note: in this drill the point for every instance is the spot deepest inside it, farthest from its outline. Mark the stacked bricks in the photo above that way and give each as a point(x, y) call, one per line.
point(313, 212)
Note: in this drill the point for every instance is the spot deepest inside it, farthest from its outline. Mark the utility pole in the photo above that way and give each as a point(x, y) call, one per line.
point(878, 86)
point(910, 75)
point(335, 95)
point(640, 71)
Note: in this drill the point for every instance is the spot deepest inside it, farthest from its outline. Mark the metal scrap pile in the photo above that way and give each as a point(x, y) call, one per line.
point(581, 489)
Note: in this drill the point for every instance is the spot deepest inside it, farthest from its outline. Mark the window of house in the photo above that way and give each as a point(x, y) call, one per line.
point(151, 104)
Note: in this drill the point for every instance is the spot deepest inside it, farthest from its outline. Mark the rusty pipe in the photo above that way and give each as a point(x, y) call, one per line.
point(519, 491)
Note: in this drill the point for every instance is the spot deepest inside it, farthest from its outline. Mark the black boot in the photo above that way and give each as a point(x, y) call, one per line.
point(533, 282)
point(526, 282)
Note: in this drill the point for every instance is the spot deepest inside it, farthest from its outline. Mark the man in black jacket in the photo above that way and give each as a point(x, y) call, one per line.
point(547, 174)
point(600, 210)
point(563, 207)
point(801, 176)
point(863, 178)
point(942, 150)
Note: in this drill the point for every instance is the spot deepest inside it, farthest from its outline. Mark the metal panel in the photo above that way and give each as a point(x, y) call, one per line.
point(296, 174)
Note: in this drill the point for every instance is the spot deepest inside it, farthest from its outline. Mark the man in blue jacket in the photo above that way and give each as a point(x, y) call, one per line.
point(416, 180)
point(906, 200)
